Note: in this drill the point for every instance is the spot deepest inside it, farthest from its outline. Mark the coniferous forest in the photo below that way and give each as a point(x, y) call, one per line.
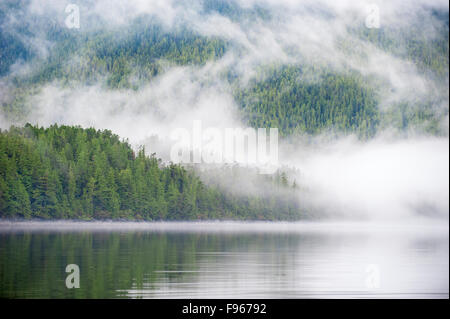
point(74, 173)
point(66, 171)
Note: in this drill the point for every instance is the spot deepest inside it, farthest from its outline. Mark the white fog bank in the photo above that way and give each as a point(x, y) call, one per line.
point(379, 179)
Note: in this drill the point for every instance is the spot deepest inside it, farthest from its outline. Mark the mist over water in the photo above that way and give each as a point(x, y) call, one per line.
point(425, 226)
point(384, 179)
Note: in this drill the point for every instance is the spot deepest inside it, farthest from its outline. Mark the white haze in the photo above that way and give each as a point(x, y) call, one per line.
point(383, 178)
point(414, 228)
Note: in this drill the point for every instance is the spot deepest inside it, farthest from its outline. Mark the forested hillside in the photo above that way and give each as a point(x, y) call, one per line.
point(70, 172)
point(340, 100)
point(125, 58)
point(312, 70)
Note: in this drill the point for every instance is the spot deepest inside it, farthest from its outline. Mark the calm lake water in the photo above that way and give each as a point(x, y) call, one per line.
point(225, 260)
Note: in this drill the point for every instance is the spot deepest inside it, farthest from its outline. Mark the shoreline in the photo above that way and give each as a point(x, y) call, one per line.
point(415, 226)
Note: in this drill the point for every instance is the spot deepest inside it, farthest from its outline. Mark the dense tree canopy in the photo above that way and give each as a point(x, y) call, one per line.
point(70, 172)
point(282, 100)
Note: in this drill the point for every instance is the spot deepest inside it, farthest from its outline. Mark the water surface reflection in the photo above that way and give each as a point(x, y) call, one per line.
point(226, 260)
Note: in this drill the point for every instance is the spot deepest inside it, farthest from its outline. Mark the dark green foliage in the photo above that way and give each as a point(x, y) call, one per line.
point(70, 172)
point(294, 105)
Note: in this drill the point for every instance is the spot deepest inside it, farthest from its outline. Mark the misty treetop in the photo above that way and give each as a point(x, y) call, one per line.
point(340, 102)
point(125, 58)
point(70, 172)
point(130, 55)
